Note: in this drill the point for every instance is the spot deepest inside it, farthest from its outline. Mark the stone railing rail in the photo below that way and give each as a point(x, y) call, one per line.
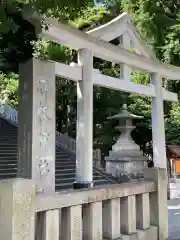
point(9, 113)
point(62, 140)
point(98, 213)
point(121, 211)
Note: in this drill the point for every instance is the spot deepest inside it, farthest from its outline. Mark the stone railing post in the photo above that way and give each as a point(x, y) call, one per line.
point(97, 157)
point(158, 201)
point(16, 209)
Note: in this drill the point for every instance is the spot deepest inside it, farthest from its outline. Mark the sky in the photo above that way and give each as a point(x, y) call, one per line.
point(97, 4)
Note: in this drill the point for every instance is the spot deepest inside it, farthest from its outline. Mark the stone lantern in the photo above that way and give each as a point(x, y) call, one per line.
point(125, 157)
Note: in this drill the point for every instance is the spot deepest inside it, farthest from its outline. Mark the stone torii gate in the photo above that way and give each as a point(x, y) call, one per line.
point(41, 115)
point(122, 27)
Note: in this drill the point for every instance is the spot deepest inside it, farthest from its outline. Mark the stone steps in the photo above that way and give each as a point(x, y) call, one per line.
point(8, 175)
point(65, 171)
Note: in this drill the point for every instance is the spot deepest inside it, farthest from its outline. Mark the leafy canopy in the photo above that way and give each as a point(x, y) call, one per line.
point(63, 9)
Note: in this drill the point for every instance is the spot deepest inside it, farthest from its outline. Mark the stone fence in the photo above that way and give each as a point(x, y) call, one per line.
point(128, 211)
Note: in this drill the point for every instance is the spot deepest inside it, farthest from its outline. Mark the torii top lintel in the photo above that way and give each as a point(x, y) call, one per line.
point(117, 27)
point(76, 39)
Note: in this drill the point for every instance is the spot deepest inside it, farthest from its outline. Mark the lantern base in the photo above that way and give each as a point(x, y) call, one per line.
point(119, 168)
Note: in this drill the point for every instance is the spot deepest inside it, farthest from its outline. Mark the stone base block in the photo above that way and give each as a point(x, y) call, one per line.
point(174, 190)
point(148, 234)
point(173, 194)
point(119, 168)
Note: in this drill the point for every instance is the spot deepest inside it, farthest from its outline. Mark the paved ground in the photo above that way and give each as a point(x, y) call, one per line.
point(174, 219)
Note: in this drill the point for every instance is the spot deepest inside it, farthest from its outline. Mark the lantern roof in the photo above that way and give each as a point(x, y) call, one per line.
point(125, 114)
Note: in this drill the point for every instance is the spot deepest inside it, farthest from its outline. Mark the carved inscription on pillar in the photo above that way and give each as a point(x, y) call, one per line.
point(36, 134)
point(44, 125)
point(44, 161)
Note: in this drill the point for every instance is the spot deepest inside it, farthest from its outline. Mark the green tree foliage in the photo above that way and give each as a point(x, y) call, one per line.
point(15, 44)
point(9, 86)
point(154, 19)
point(17, 35)
point(173, 124)
point(90, 17)
point(63, 9)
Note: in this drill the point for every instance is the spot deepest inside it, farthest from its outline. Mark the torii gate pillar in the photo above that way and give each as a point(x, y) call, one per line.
point(84, 131)
point(158, 129)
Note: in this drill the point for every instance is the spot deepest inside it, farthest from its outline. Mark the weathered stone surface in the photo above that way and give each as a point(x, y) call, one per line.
point(158, 201)
point(72, 223)
point(142, 211)
point(111, 219)
point(122, 167)
point(36, 121)
point(149, 234)
point(92, 221)
point(17, 216)
point(128, 214)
